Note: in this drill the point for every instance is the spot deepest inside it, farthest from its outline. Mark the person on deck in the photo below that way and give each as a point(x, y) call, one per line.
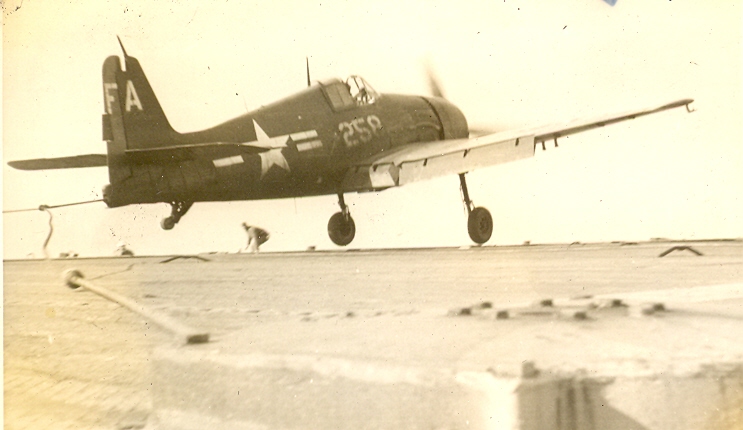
point(256, 237)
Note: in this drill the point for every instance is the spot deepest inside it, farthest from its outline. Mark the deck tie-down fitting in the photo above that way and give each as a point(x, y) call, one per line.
point(579, 308)
point(680, 248)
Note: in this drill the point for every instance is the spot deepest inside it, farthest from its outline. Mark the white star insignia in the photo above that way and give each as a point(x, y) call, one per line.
point(272, 157)
point(263, 141)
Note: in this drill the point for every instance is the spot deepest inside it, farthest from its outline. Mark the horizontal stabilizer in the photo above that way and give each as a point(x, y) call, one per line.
point(193, 151)
point(76, 161)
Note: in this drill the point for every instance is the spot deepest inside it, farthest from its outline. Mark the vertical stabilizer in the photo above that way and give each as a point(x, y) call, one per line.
point(113, 122)
point(128, 94)
point(133, 117)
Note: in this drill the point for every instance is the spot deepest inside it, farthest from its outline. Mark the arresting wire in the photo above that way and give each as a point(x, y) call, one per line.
point(45, 207)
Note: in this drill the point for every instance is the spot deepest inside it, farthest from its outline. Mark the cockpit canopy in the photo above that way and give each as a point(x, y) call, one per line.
point(355, 91)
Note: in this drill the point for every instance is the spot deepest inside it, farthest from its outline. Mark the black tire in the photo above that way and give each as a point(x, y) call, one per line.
point(480, 225)
point(341, 229)
point(167, 223)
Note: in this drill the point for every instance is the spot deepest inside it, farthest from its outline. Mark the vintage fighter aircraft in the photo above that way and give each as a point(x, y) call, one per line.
point(333, 137)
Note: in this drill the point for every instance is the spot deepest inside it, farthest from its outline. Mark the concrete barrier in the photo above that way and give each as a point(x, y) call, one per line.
point(673, 369)
point(711, 401)
point(259, 391)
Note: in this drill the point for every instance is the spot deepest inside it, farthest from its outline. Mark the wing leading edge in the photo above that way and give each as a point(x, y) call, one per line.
point(421, 161)
point(73, 162)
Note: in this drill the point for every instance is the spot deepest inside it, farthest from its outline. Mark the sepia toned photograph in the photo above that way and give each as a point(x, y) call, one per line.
point(372, 215)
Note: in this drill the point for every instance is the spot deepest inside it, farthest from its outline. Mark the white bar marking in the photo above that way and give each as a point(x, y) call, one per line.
point(228, 161)
point(303, 135)
point(306, 146)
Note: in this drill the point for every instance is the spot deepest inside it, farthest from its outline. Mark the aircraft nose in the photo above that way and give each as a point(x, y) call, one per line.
point(452, 119)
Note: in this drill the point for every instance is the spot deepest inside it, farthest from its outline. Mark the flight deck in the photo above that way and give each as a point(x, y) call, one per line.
point(615, 335)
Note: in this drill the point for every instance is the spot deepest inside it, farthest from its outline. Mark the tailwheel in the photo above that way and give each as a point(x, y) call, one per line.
point(341, 228)
point(177, 210)
point(167, 223)
point(480, 225)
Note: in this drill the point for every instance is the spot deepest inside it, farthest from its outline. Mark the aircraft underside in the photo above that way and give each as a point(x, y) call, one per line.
point(342, 228)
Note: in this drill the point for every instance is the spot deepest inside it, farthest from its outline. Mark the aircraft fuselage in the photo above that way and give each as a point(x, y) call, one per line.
point(314, 136)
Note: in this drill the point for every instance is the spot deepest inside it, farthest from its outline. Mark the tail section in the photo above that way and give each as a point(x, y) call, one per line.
point(133, 111)
point(133, 118)
point(134, 124)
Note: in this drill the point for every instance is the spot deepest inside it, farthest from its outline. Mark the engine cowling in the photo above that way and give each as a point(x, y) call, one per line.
point(453, 121)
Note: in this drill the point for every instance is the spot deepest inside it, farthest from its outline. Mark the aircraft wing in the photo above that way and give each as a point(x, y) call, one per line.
point(73, 162)
point(421, 161)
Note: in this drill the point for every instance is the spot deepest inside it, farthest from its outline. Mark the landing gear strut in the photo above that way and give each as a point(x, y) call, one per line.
point(341, 227)
point(479, 220)
point(178, 209)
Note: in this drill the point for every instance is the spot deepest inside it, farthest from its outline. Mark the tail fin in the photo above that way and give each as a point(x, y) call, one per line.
point(133, 117)
point(132, 107)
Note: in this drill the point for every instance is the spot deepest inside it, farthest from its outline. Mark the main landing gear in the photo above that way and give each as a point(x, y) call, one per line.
point(178, 209)
point(341, 227)
point(479, 220)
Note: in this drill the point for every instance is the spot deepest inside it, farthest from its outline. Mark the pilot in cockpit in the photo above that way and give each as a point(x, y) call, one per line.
point(360, 90)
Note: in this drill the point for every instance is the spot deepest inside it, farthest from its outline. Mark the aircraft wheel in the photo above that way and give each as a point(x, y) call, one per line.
point(341, 229)
point(167, 223)
point(480, 225)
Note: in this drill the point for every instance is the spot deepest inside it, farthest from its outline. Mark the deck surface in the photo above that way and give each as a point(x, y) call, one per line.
point(75, 360)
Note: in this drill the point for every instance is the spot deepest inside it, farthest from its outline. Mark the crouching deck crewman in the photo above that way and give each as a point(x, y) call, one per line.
point(256, 237)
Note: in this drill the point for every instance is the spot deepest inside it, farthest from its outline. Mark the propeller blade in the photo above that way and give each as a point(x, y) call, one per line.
point(436, 90)
point(433, 83)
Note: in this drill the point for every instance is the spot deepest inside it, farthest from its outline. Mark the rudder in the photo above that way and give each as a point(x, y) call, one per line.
point(132, 120)
point(135, 118)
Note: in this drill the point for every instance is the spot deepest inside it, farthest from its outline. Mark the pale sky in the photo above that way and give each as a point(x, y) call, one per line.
point(505, 64)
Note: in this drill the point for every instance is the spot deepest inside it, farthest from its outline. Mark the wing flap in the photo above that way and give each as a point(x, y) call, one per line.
point(73, 162)
point(468, 159)
point(427, 161)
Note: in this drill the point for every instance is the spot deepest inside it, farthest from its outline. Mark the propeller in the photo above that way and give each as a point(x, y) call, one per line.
point(434, 87)
point(433, 84)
